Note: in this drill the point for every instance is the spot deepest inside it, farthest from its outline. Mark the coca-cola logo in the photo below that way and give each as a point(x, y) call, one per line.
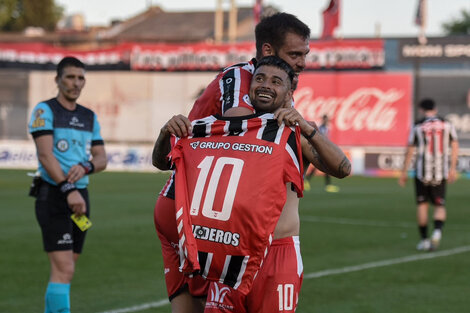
point(370, 109)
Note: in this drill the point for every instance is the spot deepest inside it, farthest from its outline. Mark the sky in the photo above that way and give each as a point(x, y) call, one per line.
point(359, 18)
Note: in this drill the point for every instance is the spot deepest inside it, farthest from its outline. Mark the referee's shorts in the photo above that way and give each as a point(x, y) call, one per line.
point(59, 232)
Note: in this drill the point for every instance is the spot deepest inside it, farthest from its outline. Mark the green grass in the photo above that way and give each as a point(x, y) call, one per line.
point(369, 220)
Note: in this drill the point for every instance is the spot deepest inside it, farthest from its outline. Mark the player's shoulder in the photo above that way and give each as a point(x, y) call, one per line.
point(44, 106)
point(248, 66)
point(84, 109)
point(420, 121)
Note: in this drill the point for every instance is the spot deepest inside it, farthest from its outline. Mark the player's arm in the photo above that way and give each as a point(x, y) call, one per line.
point(316, 147)
point(44, 146)
point(454, 153)
point(404, 171)
point(324, 154)
point(179, 126)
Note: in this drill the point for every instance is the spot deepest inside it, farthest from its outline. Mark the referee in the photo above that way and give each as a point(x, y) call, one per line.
point(69, 148)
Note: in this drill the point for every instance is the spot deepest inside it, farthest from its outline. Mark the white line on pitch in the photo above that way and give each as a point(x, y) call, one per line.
point(343, 270)
point(406, 259)
point(348, 221)
point(141, 307)
point(351, 221)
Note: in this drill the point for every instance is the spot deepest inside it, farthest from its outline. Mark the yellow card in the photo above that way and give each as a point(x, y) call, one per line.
point(82, 221)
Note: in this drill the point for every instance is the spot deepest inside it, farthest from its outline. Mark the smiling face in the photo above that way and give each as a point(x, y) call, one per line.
point(270, 88)
point(70, 84)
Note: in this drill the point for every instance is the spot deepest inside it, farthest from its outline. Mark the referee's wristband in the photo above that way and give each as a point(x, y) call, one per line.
point(65, 187)
point(87, 166)
point(311, 134)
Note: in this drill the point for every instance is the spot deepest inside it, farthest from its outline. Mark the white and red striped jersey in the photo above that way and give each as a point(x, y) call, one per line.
point(229, 89)
point(231, 177)
point(432, 137)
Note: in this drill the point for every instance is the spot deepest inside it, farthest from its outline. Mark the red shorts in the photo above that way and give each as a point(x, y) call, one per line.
point(165, 224)
point(275, 289)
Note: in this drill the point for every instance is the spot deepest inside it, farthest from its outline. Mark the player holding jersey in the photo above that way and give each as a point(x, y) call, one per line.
point(261, 153)
point(283, 35)
point(69, 149)
point(286, 242)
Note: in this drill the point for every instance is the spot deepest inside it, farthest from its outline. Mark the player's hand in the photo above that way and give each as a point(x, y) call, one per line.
point(76, 203)
point(402, 179)
point(178, 125)
point(452, 176)
point(292, 117)
point(75, 173)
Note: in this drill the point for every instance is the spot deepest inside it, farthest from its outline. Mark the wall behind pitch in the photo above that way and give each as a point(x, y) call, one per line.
point(131, 106)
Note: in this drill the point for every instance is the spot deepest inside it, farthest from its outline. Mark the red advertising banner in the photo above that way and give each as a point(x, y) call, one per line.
point(324, 55)
point(365, 109)
point(41, 53)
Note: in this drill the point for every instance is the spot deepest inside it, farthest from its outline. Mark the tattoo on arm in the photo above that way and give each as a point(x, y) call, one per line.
point(318, 162)
point(344, 169)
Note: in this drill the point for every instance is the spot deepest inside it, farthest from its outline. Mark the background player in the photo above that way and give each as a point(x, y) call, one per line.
point(432, 136)
point(65, 134)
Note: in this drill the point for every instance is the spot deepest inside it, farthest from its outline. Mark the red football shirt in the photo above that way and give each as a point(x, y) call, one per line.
point(229, 89)
point(231, 177)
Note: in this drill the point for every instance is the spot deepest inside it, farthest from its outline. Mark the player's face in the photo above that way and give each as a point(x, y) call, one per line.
point(294, 51)
point(270, 88)
point(71, 82)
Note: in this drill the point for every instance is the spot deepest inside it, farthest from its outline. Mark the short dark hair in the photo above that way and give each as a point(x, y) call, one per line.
point(427, 104)
point(273, 29)
point(68, 61)
point(276, 61)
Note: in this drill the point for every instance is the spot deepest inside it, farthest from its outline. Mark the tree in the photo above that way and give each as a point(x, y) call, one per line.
point(16, 15)
point(459, 26)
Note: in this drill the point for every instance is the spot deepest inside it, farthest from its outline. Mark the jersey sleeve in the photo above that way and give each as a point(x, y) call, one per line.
point(208, 102)
point(42, 120)
point(96, 137)
point(452, 132)
point(235, 87)
point(294, 165)
point(228, 90)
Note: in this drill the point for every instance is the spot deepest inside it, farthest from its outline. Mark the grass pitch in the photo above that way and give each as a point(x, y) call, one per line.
point(358, 248)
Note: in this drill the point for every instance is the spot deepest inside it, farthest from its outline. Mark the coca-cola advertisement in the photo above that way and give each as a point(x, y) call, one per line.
point(364, 109)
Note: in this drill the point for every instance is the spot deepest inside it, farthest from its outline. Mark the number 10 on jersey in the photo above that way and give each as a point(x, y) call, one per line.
point(200, 189)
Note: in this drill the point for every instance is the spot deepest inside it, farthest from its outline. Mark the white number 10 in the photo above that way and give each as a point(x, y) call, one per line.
point(286, 296)
point(207, 207)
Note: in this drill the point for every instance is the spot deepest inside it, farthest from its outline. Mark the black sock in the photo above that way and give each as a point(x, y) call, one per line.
point(423, 230)
point(438, 224)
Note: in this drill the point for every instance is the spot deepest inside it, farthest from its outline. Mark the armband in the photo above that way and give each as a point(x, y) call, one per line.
point(311, 134)
point(65, 187)
point(88, 167)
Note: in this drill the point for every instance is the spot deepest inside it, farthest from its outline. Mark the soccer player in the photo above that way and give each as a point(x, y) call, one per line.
point(281, 34)
point(285, 243)
point(69, 148)
point(432, 136)
point(258, 195)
